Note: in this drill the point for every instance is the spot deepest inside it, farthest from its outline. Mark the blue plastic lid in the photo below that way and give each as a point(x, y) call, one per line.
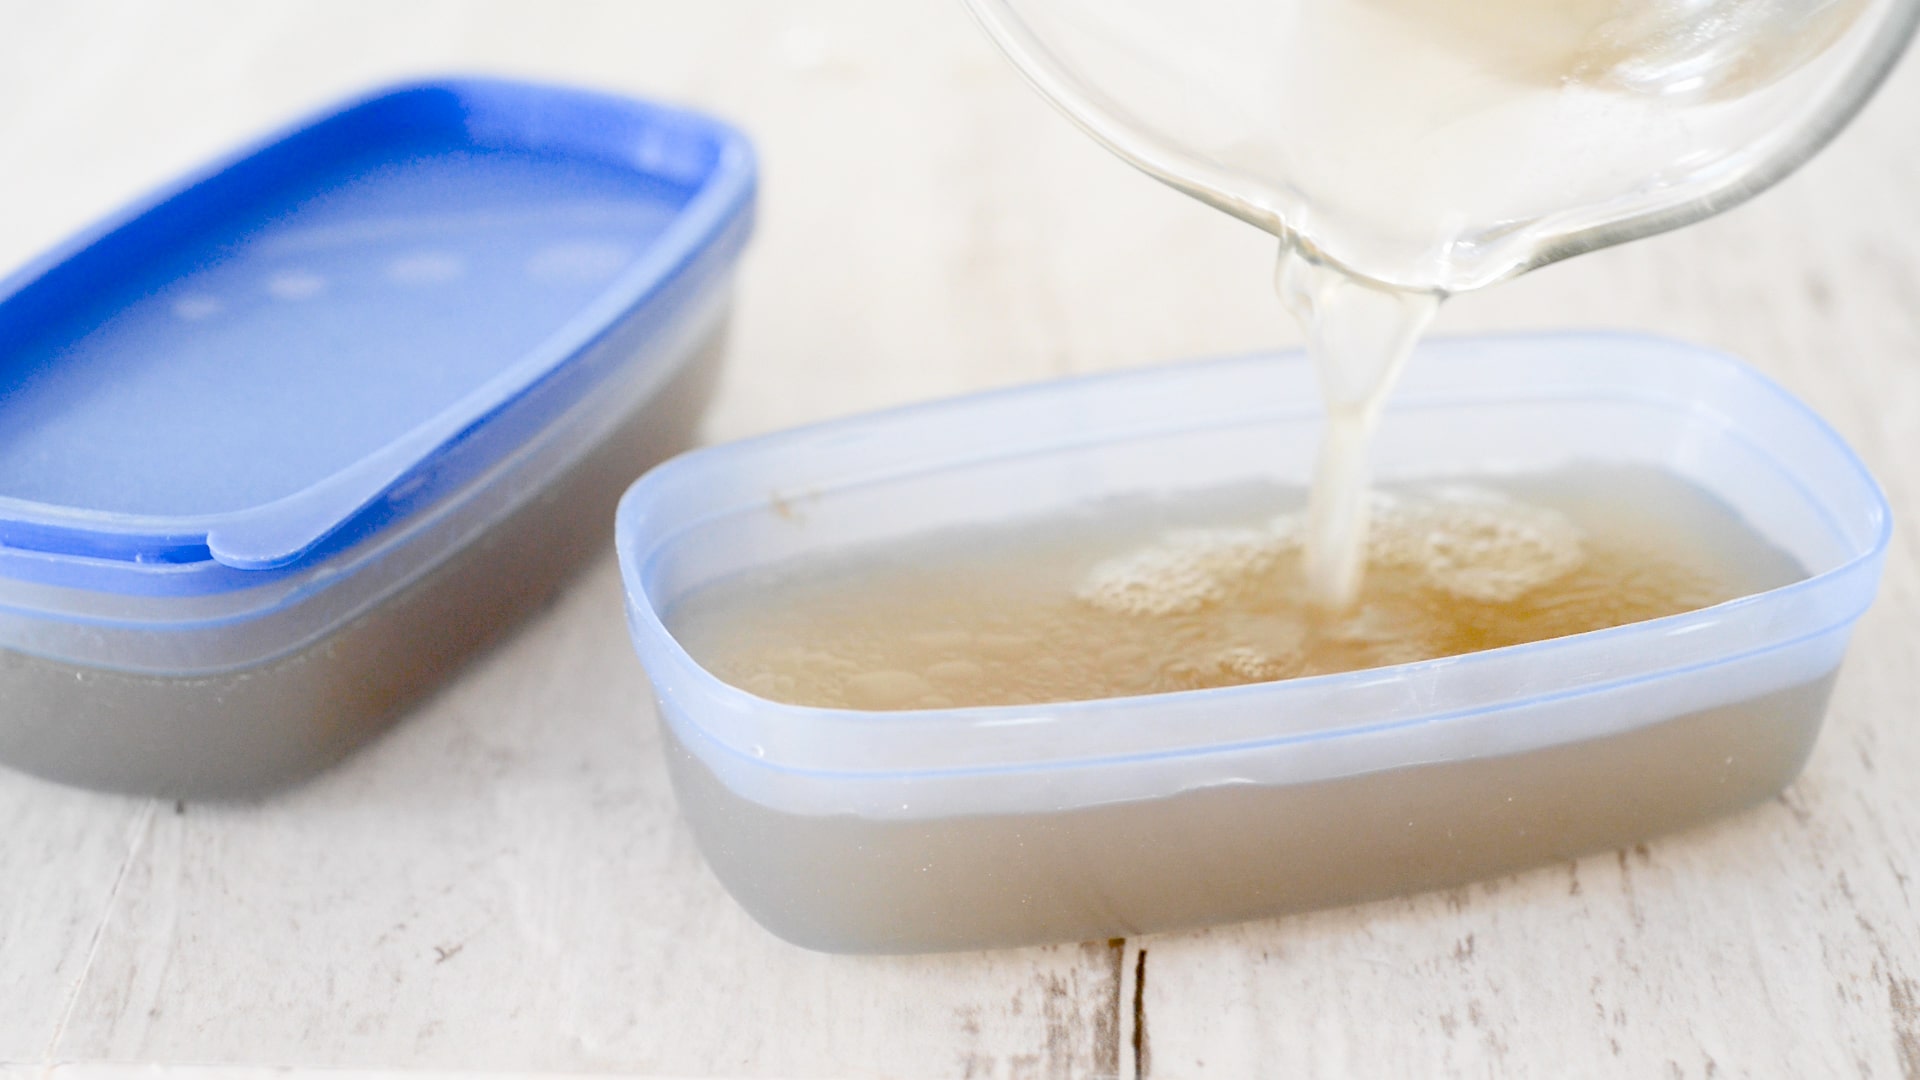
point(239, 368)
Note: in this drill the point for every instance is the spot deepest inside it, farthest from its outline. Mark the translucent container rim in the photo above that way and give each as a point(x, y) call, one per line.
point(1062, 710)
point(650, 632)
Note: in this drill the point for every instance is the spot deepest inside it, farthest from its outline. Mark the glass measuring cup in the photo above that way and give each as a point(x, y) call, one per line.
point(1443, 145)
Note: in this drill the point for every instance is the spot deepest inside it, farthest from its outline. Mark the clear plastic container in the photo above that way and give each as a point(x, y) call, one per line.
point(968, 828)
point(286, 443)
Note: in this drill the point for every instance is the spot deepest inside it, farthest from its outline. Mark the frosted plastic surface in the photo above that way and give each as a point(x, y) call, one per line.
point(268, 361)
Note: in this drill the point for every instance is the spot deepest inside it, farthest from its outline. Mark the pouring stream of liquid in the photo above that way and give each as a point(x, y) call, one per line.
point(1359, 335)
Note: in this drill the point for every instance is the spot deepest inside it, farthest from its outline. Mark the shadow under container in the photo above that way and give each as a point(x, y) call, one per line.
point(284, 445)
point(963, 828)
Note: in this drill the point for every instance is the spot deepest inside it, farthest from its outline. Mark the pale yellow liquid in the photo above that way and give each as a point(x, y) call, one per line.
point(1684, 51)
point(1149, 598)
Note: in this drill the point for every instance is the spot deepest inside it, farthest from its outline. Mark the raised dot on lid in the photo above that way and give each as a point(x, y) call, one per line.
point(196, 308)
point(296, 285)
point(580, 261)
point(425, 268)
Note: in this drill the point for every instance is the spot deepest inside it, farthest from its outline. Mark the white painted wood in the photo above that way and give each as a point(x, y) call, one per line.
point(502, 883)
point(137, 1071)
point(64, 856)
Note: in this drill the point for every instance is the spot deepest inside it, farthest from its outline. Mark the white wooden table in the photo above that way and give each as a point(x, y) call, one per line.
point(502, 883)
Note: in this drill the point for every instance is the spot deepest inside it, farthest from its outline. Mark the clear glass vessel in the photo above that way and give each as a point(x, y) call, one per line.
point(1443, 145)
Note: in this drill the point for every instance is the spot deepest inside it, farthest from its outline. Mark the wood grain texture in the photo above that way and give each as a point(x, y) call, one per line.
point(502, 883)
point(64, 858)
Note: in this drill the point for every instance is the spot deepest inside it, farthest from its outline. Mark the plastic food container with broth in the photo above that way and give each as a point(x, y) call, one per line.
point(285, 444)
point(952, 828)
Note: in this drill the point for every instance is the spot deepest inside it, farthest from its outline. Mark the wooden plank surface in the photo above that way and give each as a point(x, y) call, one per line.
point(503, 884)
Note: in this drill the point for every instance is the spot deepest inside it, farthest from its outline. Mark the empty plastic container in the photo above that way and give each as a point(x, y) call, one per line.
point(963, 828)
point(284, 444)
